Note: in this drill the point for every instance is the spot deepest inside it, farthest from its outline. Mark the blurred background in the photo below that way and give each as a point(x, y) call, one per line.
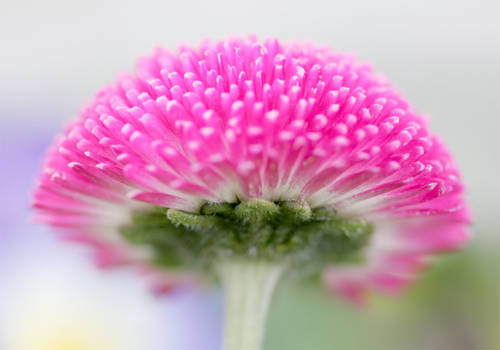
point(443, 55)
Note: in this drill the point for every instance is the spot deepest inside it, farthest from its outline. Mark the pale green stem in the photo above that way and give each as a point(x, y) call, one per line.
point(248, 286)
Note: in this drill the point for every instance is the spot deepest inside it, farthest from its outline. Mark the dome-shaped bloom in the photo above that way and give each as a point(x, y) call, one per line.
point(236, 121)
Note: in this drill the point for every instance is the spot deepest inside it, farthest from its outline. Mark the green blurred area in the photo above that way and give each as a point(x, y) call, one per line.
point(454, 306)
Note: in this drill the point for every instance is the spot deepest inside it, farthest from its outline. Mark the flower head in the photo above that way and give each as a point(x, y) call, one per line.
point(243, 148)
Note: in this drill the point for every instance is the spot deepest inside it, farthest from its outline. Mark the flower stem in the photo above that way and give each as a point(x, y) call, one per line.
point(249, 286)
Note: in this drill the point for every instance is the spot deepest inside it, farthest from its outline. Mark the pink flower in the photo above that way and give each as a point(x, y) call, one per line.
point(238, 120)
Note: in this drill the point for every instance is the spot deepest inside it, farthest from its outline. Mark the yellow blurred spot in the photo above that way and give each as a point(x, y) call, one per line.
point(67, 342)
point(55, 337)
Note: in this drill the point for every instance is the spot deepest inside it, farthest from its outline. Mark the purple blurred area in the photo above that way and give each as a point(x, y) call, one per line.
point(29, 251)
point(21, 150)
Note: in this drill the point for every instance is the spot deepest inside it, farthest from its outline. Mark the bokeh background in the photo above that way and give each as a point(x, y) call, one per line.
point(443, 55)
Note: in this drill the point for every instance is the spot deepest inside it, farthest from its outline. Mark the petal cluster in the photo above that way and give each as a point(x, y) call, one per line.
point(242, 119)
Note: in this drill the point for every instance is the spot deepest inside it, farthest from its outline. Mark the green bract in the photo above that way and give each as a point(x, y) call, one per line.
point(287, 231)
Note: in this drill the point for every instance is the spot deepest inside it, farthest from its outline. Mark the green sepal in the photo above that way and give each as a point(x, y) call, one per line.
point(305, 238)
